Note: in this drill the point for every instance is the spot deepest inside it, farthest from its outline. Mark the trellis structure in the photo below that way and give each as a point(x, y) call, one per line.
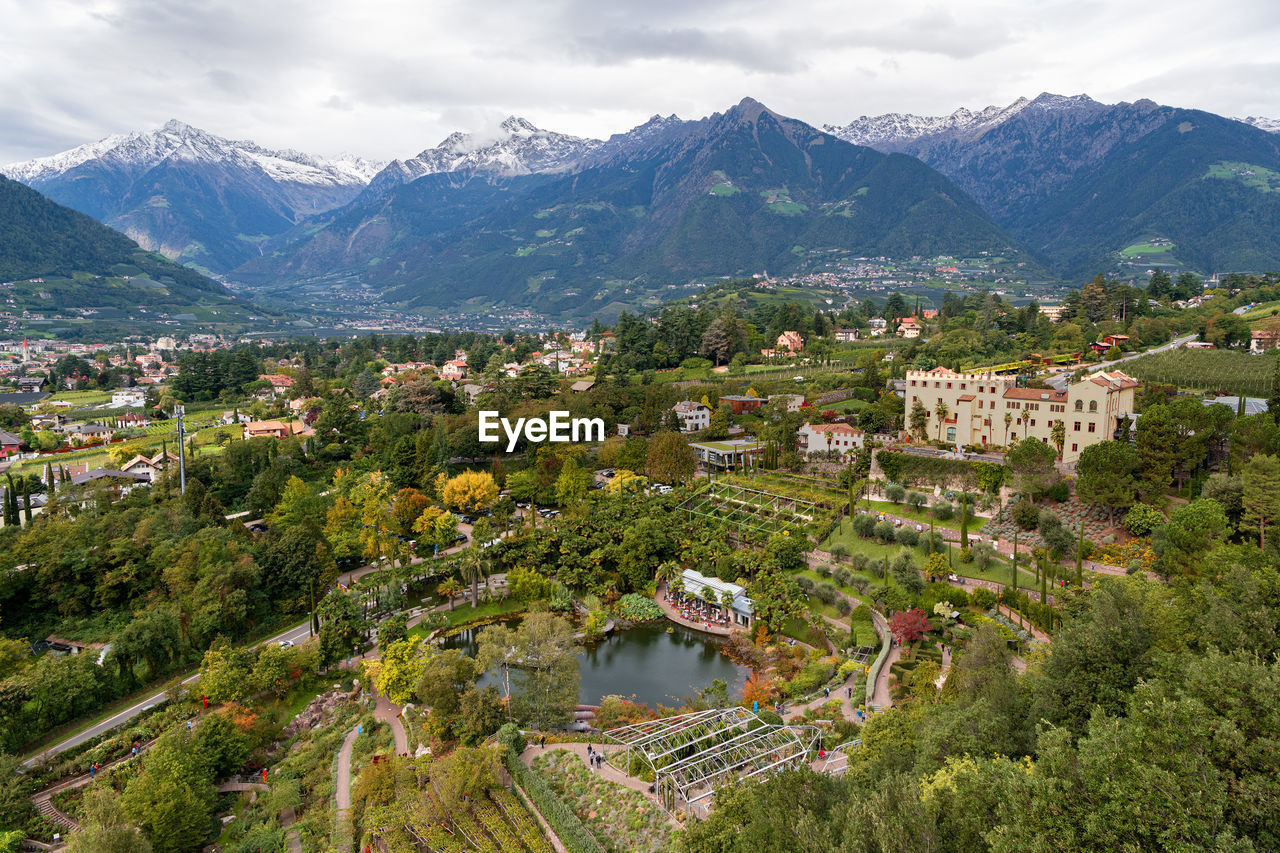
point(750, 510)
point(693, 755)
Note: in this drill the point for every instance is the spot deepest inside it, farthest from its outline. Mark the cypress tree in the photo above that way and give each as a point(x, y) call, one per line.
point(26, 500)
point(48, 477)
point(10, 503)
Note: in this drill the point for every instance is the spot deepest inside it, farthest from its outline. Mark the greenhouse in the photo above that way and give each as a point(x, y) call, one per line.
point(691, 756)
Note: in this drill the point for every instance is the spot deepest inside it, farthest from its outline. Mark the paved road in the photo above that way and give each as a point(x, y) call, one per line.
point(1173, 344)
point(295, 634)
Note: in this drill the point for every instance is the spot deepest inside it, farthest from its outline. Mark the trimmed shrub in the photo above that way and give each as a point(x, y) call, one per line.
point(943, 510)
point(907, 537)
point(895, 492)
point(1025, 515)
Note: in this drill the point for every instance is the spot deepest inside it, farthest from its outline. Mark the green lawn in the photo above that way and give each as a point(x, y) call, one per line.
point(463, 613)
point(904, 510)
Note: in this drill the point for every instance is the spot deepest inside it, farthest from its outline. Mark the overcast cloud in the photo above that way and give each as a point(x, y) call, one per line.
point(387, 78)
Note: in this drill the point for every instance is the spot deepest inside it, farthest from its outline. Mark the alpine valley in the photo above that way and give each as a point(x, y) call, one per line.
point(1054, 188)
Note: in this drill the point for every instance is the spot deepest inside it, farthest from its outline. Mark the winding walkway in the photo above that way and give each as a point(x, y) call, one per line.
point(342, 793)
point(386, 711)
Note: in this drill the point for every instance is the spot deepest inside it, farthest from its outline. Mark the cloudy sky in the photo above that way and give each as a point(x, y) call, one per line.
point(387, 78)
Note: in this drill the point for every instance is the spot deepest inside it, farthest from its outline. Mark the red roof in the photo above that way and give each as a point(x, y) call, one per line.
point(1038, 394)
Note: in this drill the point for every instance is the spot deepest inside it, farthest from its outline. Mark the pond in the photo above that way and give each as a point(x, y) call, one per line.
point(647, 663)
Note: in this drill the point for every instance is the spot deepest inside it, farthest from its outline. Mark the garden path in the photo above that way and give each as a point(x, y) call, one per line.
point(343, 792)
point(388, 712)
point(606, 771)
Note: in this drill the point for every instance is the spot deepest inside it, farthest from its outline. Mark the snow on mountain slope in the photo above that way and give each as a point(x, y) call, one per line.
point(1270, 125)
point(893, 130)
point(137, 152)
point(519, 149)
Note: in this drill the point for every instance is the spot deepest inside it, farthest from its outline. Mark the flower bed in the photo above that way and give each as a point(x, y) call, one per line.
point(1127, 553)
point(620, 818)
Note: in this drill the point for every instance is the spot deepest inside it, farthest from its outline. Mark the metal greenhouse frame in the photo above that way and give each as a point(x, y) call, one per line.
point(750, 509)
point(694, 755)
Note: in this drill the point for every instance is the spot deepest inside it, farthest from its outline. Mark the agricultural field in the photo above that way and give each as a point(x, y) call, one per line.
point(1262, 311)
point(1207, 370)
point(1261, 179)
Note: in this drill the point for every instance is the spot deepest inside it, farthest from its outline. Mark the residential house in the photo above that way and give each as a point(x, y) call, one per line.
point(91, 432)
point(846, 336)
point(1106, 342)
point(909, 328)
point(693, 415)
point(454, 370)
point(9, 444)
point(1263, 340)
point(273, 429)
point(813, 439)
point(790, 341)
point(877, 326)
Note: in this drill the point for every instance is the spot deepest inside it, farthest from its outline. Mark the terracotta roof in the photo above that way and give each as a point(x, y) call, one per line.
point(1115, 379)
point(966, 398)
point(823, 428)
point(1038, 394)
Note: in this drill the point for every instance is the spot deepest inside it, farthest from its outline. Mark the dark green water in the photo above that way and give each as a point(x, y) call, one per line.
point(645, 663)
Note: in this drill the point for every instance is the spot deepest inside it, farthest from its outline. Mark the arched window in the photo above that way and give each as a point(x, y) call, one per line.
point(1079, 405)
point(1093, 405)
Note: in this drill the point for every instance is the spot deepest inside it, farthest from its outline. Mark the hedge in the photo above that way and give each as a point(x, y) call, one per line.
point(911, 469)
point(575, 837)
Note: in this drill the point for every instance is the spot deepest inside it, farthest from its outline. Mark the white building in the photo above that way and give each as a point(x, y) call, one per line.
point(693, 415)
point(822, 438)
point(130, 398)
point(698, 586)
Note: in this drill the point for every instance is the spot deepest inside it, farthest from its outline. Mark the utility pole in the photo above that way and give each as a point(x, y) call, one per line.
point(179, 411)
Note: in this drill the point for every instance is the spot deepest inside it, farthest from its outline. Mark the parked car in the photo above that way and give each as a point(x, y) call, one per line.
point(286, 644)
point(460, 538)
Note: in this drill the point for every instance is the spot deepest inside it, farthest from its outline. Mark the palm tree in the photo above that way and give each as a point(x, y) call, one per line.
point(449, 587)
point(1059, 435)
point(726, 601)
point(1008, 419)
point(472, 569)
point(667, 572)
point(941, 413)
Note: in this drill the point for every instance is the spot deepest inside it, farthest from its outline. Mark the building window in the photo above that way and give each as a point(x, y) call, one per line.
point(1092, 427)
point(951, 433)
point(979, 404)
point(962, 386)
point(1079, 405)
point(913, 383)
point(1093, 405)
point(1033, 421)
point(1077, 427)
point(1074, 448)
point(937, 385)
point(948, 384)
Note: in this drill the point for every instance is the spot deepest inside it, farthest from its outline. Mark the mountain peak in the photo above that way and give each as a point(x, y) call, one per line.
point(750, 109)
point(518, 126)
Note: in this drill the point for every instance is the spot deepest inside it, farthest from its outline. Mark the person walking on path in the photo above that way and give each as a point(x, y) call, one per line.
point(542, 741)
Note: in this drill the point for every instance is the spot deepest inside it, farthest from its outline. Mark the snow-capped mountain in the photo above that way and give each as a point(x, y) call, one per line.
point(194, 196)
point(519, 148)
point(892, 131)
point(1270, 125)
point(181, 141)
